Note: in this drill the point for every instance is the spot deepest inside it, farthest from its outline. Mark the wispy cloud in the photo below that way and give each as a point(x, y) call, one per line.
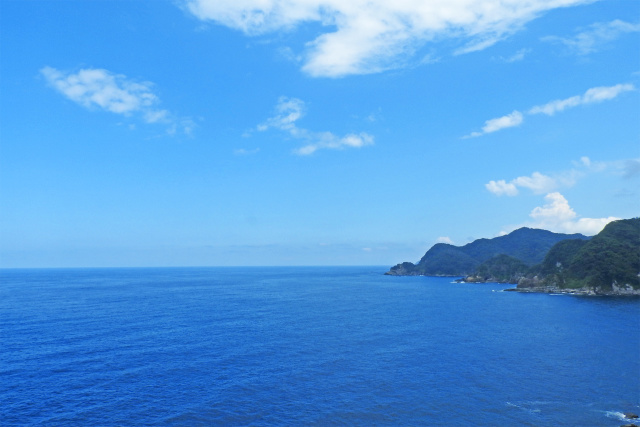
point(99, 89)
point(368, 36)
point(331, 141)
point(626, 168)
point(539, 183)
point(290, 110)
point(246, 152)
point(631, 168)
point(594, 37)
point(591, 96)
point(493, 125)
point(518, 56)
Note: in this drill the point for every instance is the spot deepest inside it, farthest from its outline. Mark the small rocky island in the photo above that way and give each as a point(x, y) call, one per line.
point(542, 261)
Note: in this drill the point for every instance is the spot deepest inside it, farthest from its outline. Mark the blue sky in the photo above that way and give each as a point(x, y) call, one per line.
point(315, 132)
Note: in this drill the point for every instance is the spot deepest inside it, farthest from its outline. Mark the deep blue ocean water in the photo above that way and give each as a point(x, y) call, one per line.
point(307, 346)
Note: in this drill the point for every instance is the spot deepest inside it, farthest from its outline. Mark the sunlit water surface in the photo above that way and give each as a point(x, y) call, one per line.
point(307, 346)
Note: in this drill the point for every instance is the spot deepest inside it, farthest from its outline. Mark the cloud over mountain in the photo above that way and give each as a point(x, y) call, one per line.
point(556, 215)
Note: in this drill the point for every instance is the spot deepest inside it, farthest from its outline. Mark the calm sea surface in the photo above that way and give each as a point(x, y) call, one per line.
point(307, 346)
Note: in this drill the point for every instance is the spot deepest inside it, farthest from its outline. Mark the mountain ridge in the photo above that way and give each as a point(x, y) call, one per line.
point(607, 264)
point(528, 245)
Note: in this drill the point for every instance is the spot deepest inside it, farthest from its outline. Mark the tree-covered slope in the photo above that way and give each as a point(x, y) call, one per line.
point(529, 245)
point(525, 244)
point(501, 268)
point(447, 260)
point(610, 259)
point(559, 256)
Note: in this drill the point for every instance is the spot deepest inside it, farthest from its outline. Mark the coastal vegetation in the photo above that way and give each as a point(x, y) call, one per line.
point(607, 263)
point(501, 268)
point(542, 261)
point(527, 245)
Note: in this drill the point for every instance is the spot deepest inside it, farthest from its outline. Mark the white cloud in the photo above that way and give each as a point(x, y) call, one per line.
point(595, 36)
point(365, 36)
point(445, 240)
point(502, 187)
point(510, 120)
point(95, 88)
point(102, 89)
point(494, 125)
point(552, 107)
point(593, 95)
point(290, 110)
point(556, 215)
point(556, 209)
point(330, 141)
point(537, 182)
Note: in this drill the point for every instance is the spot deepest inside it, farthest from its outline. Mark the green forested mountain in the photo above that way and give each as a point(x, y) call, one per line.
point(610, 259)
point(527, 245)
point(501, 268)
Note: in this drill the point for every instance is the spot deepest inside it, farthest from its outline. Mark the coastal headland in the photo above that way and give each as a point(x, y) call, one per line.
point(543, 262)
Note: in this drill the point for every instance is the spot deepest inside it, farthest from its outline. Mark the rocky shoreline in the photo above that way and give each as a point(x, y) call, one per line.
point(606, 264)
point(478, 279)
point(579, 291)
point(526, 285)
point(540, 286)
point(630, 416)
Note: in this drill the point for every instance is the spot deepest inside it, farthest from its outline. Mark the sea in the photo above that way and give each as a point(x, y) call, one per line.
point(307, 346)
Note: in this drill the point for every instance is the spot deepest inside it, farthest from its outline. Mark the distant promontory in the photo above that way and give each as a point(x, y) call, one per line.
point(522, 248)
point(543, 261)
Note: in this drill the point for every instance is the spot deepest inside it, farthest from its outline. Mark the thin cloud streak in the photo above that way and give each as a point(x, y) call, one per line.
point(591, 96)
point(493, 125)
